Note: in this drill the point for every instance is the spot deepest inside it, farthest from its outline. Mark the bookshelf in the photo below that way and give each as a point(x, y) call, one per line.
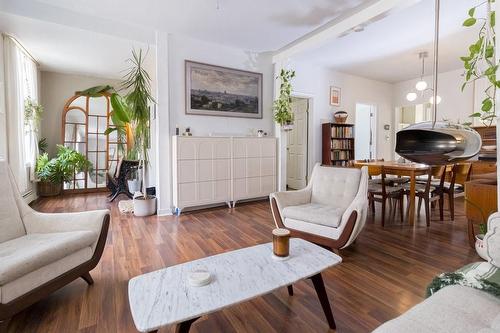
point(338, 144)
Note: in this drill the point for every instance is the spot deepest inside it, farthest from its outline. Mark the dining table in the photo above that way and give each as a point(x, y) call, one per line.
point(408, 169)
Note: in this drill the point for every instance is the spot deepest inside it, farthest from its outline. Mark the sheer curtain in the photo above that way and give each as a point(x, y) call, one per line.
point(21, 83)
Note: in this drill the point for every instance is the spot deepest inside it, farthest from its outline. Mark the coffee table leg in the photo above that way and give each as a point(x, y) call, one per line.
point(290, 290)
point(185, 325)
point(317, 281)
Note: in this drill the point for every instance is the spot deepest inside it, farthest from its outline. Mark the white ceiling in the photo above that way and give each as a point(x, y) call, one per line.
point(60, 48)
point(387, 50)
point(255, 25)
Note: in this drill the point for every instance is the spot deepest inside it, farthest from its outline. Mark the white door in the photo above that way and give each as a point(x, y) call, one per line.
point(365, 136)
point(297, 146)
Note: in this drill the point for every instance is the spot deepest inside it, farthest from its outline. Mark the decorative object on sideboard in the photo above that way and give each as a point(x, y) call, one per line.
point(334, 96)
point(261, 133)
point(340, 117)
point(480, 66)
point(283, 114)
point(187, 132)
point(220, 91)
point(177, 130)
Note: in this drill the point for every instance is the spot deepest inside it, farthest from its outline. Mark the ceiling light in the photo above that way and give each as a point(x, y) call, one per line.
point(438, 99)
point(421, 85)
point(412, 96)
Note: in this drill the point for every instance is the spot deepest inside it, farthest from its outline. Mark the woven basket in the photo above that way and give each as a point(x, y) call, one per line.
point(340, 117)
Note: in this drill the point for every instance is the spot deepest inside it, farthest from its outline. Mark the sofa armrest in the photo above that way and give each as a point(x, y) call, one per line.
point(37, 222)
point(291, 198)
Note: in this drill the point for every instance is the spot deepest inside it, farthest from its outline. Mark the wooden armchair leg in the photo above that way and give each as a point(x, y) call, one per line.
point(290, 290)
point(88, 278)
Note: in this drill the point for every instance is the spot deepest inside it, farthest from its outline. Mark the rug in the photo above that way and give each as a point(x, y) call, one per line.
point(126, 206)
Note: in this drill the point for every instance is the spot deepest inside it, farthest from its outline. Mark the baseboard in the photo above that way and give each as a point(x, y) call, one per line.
point(30, 197)
point(164, 212)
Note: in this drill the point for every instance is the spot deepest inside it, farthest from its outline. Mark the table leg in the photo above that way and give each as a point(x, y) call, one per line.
point(290, 290)
point(185, 325)
point(317, 281)
point(411, 204)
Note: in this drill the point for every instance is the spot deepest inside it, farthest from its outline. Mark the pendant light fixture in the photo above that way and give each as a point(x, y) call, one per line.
point(422, 85)
point(437, 143)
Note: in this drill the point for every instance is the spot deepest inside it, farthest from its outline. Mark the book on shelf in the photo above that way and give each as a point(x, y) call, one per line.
point(342, 132)
point(342, 144)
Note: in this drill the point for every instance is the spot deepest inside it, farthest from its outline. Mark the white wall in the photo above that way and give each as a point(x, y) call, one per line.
point(455, 106)
point(56, 89)
point(183, 48)
point(316, 81)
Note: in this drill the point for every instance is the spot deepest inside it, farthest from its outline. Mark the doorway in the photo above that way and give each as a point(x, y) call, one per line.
point(365, 132)
point(297, 145)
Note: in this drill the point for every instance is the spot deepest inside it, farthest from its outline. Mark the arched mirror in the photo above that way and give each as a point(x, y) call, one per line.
point(85, 119)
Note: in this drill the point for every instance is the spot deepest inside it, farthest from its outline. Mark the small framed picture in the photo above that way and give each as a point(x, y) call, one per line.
point(334, 96)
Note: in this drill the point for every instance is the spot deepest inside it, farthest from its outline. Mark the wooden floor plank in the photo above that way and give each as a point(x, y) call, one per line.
point(381, 276)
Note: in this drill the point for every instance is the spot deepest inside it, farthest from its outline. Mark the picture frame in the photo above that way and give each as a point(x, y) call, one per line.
point(335, 96)
point(213, 90)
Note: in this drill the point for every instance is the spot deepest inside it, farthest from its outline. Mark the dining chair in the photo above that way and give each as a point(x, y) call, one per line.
point(427, 193)
point(456, 187)
point(381, 192)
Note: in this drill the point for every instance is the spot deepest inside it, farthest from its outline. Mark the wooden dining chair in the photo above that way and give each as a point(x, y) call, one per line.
point(381, 192)
point(456, 187)
point(428, 193)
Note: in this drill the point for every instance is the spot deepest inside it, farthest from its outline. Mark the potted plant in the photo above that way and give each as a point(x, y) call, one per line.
point(52, 173)
point(133, 111)
point(480, 63)
point(480, 245)
point(283, 105)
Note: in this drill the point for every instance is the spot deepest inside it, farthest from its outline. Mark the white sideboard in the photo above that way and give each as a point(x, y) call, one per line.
point(210, 170)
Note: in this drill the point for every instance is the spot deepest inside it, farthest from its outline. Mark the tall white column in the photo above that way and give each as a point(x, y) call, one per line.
point(162, 135)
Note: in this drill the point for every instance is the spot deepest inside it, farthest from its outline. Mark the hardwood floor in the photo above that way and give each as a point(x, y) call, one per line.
point(383, 274)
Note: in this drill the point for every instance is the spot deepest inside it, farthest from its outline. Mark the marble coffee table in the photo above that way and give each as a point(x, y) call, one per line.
point(164, 297)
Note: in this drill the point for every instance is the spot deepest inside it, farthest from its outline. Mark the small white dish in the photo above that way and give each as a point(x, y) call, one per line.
point(199, 278)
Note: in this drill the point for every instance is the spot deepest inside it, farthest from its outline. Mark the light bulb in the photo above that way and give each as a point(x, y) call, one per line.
point(438, 99)
point(411, 96)
point(421, 85)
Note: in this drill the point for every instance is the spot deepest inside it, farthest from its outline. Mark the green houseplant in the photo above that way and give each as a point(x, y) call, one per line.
point(481, 62)
point(133, 111)
point(283, 105)
point(52, 173)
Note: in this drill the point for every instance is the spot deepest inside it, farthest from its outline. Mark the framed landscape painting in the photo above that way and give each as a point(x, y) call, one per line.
point(220, 91)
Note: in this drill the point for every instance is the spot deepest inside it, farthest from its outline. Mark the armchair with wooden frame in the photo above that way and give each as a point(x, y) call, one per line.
point(331, 211)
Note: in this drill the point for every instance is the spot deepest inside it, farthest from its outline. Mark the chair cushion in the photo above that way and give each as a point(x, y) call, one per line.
point(335, 186)
point(329, 216)
point(454, 308)
point(11, 225)
point(25, 254)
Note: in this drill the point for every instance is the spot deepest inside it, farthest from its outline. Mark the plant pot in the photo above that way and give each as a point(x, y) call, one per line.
point(49, 189)
point(481, 247)
point(287, 127)
point(134, 185)
point(144, 207)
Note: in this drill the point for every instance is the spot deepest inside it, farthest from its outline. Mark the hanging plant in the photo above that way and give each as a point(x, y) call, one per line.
point(32, 114)
point(283, 105)
point(481, 63)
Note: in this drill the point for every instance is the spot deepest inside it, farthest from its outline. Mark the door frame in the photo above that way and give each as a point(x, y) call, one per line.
point(310, 147)
point(375, 124)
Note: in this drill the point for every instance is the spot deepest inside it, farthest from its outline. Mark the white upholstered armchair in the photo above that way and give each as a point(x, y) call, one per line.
point(330, 211)
point(40, 253)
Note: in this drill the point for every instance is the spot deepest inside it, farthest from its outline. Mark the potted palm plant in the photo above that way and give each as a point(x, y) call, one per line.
point(136, 104)
point(52, 173)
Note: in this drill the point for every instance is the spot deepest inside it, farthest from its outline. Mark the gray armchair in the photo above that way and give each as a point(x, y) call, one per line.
point(330, 211)
point(40, 253)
